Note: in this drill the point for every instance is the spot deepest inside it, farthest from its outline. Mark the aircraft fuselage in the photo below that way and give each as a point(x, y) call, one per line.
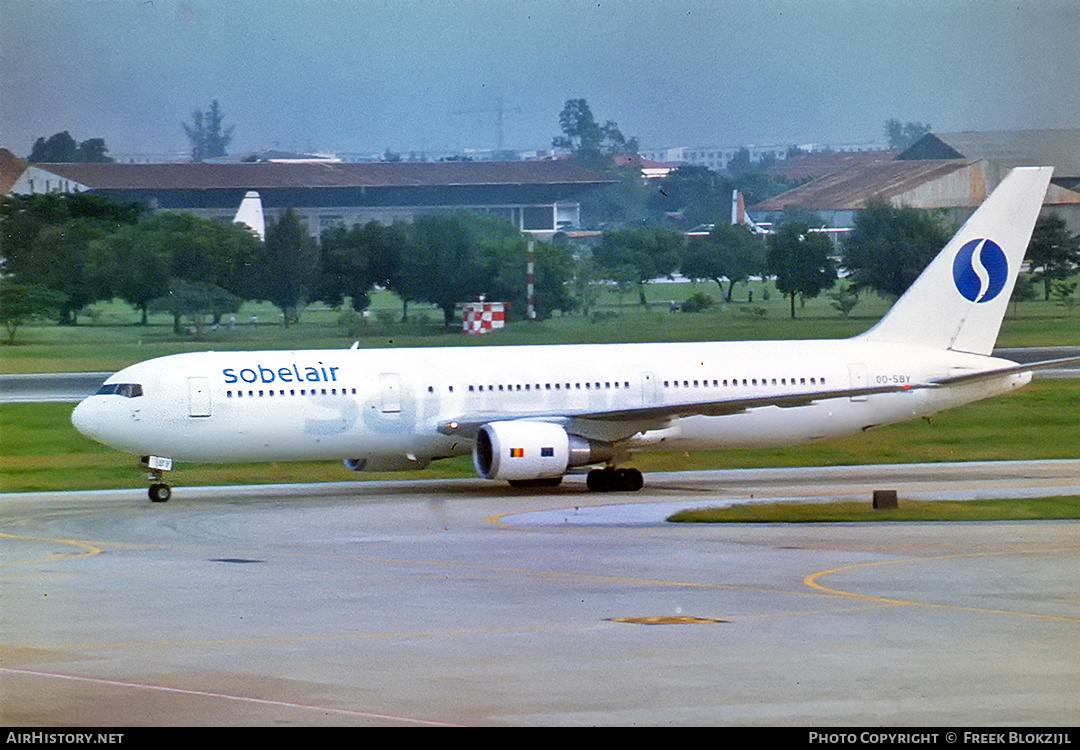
point(345, 404)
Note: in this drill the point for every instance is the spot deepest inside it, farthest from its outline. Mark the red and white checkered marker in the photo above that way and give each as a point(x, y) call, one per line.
point(483, 317)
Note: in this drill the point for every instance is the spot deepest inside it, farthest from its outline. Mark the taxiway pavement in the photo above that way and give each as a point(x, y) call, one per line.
point(468, 603)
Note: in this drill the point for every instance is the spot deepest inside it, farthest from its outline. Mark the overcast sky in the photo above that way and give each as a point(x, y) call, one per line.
point(371, 75)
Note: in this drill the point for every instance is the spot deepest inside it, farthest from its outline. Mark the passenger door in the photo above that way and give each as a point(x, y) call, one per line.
point(198, 397)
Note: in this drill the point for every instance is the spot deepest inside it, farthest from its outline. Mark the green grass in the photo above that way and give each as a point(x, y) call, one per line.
point(111, 339)
point(40, 450)
point(1037, 509)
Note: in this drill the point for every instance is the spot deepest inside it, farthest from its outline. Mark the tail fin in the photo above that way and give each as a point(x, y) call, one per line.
point(959, 301)
point(250, 214)
point(738, 208)
point(739, 217)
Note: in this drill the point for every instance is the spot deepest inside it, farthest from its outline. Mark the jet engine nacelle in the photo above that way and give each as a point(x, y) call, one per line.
point(522, 451)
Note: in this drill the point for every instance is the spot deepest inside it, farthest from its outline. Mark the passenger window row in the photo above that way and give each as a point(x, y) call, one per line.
point(131, 390)
point(593, 386)
point(291, 392)
point(734, 382)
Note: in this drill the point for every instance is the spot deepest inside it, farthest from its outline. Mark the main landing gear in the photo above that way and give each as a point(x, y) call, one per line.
point(159, 492)
point(610, 479)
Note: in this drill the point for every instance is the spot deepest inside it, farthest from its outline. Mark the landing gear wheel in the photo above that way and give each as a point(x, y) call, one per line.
point(609, 479)
point(630, 479)
point(600, 480)
point(159, 491)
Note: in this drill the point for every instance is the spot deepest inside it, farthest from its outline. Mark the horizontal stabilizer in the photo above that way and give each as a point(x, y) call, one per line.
point(972, 377)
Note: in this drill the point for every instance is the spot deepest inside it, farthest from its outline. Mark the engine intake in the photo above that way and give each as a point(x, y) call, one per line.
point(522, 450)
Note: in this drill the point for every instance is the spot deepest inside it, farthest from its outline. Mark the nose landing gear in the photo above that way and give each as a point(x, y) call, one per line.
point(159, 491)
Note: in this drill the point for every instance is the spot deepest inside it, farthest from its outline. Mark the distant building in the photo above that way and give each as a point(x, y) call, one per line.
point(650, 170)
point(1007, 148)
point(950, 172)
point(541, 197)
point(810, 166)
point(719, 158)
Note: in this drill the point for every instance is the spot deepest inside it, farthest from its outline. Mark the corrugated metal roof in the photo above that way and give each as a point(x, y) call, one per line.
point(817, 165)
point(323, 175)
point(11, 167)
point(1059, 149)
point(851, 189)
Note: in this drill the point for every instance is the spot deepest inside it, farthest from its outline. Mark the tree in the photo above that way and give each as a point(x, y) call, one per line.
point(61, 147)
point(740, 162)
point(58, 148)
point(889, 247)
point(902, 136)
point(1023, 290)
point(799, 259)
point(502, 256)
point(554, 271)
point(94, 151)
point(195, 299)
point(590, 143)
point(695, 195)
point(650, 252)
point(586, 282)
point(20, 303)
point(55, 241)
point(23, 218)
point(1053, 254)
point(135, 270)
point(1065, 294)
point(728, 252)
point(208, 139)
point(844, 299)
point(143, 263)
point(289, 272)
point(90, 248)
point(697, 302)
point(139, 262)
point(66, 258)
point(441, 266)
point(355, 259)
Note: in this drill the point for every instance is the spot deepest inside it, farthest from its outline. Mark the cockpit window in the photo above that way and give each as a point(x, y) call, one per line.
point(127, 390)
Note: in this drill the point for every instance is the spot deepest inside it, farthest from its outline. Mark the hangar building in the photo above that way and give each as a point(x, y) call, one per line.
point(541, 197)
point(952, 172)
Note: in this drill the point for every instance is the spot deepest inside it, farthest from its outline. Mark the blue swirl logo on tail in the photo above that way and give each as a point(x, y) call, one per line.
point(980, 270)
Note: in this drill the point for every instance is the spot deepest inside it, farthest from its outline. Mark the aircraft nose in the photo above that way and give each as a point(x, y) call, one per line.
point(87, 418)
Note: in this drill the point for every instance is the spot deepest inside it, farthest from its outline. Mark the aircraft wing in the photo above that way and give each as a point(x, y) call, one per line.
point(619, 424)
point(789, 400)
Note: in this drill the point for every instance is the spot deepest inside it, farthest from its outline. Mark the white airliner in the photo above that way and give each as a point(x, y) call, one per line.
point(740, 217)
point(532, 414)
